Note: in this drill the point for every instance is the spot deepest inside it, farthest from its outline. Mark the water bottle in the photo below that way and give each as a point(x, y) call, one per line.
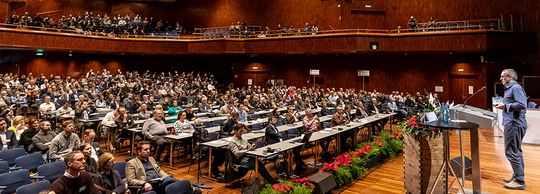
point(447, 112)
point(441, 117)
point(444, 114)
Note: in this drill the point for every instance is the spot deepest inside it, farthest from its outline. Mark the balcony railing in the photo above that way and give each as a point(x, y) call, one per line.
point(256, 32)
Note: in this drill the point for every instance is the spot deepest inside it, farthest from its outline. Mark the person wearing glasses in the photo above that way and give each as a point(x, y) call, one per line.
point(75, 179)
point(513, 107)
point(108, 180)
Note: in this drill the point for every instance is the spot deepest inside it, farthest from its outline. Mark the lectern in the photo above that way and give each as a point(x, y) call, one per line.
point(484, 118)
point(475, 153)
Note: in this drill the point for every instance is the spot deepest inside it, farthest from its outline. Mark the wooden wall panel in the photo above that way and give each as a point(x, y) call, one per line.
point(54, 41)
point(459, 41)
point(4, 11)
point(408, 73)
point(66, 7)
point(211, 13)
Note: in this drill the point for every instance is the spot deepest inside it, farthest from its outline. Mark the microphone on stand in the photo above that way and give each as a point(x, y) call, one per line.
point(465, 103)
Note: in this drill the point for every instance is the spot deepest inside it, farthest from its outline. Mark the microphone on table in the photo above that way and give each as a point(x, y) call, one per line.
point(464, 104)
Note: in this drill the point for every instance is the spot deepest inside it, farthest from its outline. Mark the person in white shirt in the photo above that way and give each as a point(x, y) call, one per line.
point(45, 83)
point(333, 98)
point(65, 109)
point(101, 103)
point(111, 117)
point(47, 108)
point(211, 87)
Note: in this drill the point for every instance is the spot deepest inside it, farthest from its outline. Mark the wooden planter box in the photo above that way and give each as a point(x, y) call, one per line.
point(422, 160)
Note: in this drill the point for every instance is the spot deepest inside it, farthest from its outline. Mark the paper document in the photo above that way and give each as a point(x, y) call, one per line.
point(326, 130)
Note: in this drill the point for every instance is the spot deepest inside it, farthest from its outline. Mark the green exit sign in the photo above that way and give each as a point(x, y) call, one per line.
point(40, 50)
point(460, 69)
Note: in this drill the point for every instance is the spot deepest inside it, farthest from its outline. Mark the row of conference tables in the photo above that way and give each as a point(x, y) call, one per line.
point(184, 136)
point(285, 147)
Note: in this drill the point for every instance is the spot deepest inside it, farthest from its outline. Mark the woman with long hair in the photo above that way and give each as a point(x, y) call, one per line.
point(27, 135)
point(108, 180)
point(182, 125)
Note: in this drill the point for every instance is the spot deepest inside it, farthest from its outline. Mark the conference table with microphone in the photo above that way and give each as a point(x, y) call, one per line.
point(288, 145)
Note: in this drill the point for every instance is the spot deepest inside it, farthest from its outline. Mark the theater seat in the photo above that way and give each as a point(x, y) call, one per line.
point(34, 188)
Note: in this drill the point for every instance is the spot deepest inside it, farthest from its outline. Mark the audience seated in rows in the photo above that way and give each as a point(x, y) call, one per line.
point(97, 25)
point(174, 91)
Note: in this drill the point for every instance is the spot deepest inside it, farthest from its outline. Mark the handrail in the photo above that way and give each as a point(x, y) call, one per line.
point(69, 31)
point(223, 32)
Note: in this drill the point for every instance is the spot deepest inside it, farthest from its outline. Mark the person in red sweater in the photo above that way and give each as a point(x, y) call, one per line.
point(75, 179)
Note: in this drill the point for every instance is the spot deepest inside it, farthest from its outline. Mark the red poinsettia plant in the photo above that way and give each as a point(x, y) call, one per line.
point(366, 149)
point(302, 181)
point(395, 135)
point(278, 187)
point(343, 160)
point(330, 166)
point(378, 142)
point(300, 186)
point(356, 153)
point(413, 127)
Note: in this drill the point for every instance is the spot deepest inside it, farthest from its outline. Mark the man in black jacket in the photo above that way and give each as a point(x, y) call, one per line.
point(374, 108)
point(273, 136)
point(84, 113)
point(200, 135)
point(324, 110)
point(228, 126)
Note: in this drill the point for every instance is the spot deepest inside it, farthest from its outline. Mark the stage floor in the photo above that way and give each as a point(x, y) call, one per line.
point(388, 178)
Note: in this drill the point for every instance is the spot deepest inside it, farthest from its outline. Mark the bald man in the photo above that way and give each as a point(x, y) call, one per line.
point(155, 130)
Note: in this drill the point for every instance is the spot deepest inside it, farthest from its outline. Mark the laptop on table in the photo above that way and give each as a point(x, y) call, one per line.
point(305, 139)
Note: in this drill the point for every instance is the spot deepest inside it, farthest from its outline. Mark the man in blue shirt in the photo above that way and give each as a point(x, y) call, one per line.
point(514, 107)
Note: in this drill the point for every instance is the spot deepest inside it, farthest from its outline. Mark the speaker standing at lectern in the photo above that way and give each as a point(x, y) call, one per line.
point(514, 107)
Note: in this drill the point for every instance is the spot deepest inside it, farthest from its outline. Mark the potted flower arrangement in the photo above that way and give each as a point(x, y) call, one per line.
point(422, 153)
point(354, 165)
